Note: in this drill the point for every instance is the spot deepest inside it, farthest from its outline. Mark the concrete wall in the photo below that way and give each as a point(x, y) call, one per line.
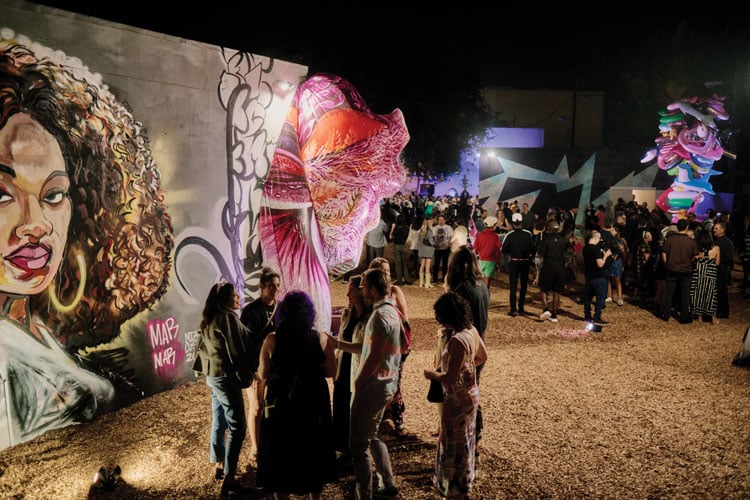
point(570, 119)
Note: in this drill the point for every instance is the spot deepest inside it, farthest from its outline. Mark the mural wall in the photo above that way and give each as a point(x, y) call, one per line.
point(136, 170)
point(544, 178)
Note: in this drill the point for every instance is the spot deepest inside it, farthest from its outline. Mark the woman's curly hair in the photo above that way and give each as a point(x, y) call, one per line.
point(119, 222)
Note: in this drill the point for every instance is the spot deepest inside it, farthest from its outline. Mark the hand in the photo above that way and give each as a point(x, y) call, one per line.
point(333, 340)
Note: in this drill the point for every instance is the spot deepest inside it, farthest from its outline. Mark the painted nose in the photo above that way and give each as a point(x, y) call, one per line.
point(35, 223)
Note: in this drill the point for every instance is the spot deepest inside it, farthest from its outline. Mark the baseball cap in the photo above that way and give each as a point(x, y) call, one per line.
point(490, 221)
point(517, 217)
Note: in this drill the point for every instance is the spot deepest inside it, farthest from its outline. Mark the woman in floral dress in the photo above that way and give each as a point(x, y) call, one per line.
point(455, 465)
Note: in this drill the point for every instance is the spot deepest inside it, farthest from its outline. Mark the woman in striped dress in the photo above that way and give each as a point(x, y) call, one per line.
point(703, 297)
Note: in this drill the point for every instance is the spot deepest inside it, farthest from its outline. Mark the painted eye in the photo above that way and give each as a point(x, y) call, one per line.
point(5, 196)
point(55, 197)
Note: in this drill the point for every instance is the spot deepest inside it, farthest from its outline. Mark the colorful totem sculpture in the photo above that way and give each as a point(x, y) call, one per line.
point(687, 147)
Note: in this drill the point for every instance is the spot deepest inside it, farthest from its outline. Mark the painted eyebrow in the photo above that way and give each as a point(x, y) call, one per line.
point(57, 173)
point(6, 169)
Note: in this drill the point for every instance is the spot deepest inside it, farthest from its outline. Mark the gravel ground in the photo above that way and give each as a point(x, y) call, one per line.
point(643, 409)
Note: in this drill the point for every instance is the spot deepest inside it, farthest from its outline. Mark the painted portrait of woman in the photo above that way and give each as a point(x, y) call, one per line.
point(85, 240)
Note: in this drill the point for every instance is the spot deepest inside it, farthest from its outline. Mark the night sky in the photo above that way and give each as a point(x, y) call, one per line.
point(382, 50)
point(505, 48)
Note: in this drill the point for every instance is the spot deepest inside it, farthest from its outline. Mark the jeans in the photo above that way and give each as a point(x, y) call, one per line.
point(596, 287)
point(368, 404)
point(440, 261)
point(395, 410)
point(227, 413)
point(675, 280)
point(401, 258)
point(518, 269)
point(373, 253)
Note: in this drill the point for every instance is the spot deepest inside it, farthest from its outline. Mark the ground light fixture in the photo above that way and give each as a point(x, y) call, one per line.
point(106, 478)
point(593, 327)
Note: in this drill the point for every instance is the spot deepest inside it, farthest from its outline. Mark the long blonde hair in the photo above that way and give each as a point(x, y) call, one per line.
point(426, 226)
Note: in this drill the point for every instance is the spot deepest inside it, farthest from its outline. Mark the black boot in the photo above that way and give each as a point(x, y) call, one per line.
point(230, 486)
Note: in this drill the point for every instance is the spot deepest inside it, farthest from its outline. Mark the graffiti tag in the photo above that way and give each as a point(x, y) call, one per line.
point(166, 350)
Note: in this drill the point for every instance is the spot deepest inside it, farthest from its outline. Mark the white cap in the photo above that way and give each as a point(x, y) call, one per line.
point(517, 217)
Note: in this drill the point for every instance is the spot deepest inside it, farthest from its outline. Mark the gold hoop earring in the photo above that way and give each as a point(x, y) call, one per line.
point(79, 292)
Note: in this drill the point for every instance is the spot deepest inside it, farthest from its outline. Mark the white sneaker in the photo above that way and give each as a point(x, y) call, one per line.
point(553, 319)
point(620, 302)
point(608, 299)
point(545, 315)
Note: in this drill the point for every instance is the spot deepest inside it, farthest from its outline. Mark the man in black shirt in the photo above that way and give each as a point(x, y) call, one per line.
point(519, 246)
point(257, 316)
point(678, 253)
point(724, 271)
point(596, 284)
point(552, 275)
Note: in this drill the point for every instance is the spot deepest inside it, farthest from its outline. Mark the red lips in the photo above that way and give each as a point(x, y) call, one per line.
point(30, 257)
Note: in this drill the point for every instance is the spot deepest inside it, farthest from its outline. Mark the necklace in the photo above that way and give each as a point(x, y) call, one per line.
point(269, 310)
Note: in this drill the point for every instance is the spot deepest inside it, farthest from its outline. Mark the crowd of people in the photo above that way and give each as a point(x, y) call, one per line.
point(296, 424)
point(619, 250)
point(300, 429)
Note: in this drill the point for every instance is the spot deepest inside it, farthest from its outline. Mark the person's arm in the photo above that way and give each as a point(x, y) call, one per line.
point(456, 355)
point(235, 334)
point(343, 345)
point(603, 260)
point(401, 304)
point(329, 363)
point(266, 352)
point(481, 356)
point(440, 342)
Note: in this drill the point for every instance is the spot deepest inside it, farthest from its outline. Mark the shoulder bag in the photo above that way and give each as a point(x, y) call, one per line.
point(435, 392)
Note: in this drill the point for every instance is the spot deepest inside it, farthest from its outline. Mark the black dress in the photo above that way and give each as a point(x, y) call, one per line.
point(296, 453)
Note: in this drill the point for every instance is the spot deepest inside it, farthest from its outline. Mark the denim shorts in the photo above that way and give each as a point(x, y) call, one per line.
point(615, 269)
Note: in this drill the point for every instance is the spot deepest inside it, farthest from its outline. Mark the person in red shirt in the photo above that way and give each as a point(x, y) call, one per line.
point(488, 248)
point(601, 216)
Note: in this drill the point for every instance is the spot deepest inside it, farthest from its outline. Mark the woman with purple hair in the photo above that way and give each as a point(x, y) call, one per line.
point(296, 454)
